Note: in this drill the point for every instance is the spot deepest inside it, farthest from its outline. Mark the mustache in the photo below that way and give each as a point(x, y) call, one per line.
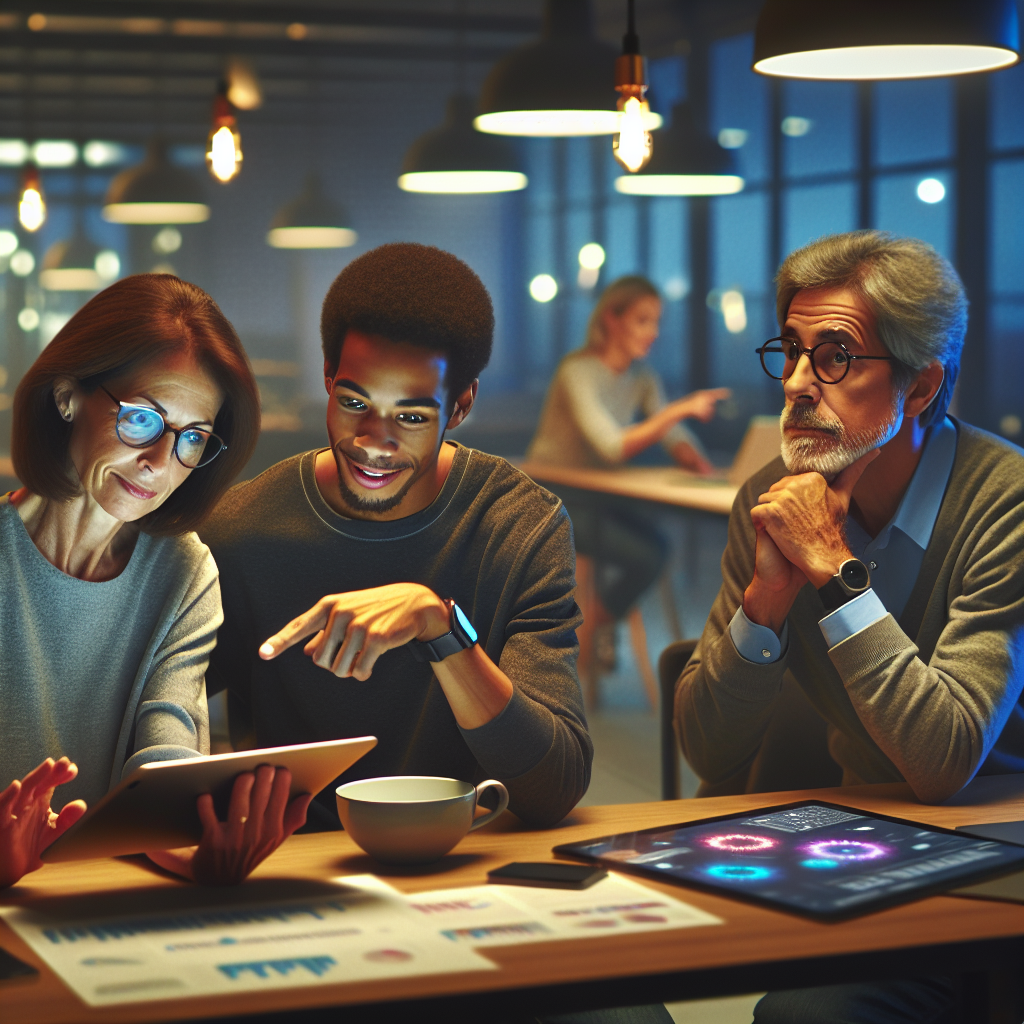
point(376, 463)
point(807, 416)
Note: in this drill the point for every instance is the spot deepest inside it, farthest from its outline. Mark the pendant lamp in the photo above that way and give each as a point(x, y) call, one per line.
point(456, 158)
point(686, 162)
point(77, 265)
point(311, 221)
point(560, 85)
point(155, 192)
point(880, 39)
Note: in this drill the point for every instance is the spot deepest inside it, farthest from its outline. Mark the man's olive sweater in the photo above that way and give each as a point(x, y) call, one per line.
point(932, 698)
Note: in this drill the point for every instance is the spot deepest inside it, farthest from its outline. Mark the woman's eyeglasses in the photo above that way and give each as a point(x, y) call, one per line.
point(139, 426)
point(830, 360)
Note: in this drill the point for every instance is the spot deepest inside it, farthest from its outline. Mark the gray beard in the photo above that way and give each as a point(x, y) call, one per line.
point(835, 448)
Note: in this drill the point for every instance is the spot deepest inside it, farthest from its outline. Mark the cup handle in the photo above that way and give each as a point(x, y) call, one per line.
point(502, 802)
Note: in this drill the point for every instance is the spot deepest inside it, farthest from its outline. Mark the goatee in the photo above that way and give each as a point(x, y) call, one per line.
point(832, 448)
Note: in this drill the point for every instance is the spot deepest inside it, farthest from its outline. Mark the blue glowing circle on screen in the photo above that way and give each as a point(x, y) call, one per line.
point(819, 863)
point(739, 872)
point(846, 849)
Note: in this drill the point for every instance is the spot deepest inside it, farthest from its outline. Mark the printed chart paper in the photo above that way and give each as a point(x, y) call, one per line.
point(501, 915)
point(187, 942)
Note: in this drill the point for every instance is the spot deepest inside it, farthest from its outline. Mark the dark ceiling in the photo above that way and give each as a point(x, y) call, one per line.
point(114, 68)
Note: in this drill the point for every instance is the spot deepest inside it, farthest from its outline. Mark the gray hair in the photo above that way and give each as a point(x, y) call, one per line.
point(917, 297)
point(617, 297)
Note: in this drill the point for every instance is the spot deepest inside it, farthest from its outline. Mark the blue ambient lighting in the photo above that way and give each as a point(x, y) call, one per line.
point(819, 864)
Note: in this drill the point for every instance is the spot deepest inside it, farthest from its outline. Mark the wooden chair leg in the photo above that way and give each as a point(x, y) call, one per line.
point(586, 664)
point(638, 639)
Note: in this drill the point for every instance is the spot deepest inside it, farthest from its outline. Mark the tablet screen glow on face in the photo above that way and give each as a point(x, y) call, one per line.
point(812, 858)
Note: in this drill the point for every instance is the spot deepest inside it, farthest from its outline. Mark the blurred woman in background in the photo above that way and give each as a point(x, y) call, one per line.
point(603, 407)
point(127, 430)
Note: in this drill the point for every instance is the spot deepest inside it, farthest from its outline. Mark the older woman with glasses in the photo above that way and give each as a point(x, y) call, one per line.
point(127, 430)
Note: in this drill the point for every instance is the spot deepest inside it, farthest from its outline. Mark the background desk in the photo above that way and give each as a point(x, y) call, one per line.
point(755, 949)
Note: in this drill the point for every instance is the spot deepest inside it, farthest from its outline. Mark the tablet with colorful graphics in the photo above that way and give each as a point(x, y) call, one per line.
point(820, 860)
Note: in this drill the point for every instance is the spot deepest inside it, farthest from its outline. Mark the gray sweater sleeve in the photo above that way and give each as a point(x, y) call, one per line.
point(724, 702)
point(539, 746)
point(172, 720)
point(937, 720)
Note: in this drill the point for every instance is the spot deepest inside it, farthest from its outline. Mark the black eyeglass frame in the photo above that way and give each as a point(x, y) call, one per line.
point(168, 429)
point(809, 352)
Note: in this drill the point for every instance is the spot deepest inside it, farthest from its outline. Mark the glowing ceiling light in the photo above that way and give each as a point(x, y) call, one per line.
point(931, 190)
point(878, 39)
point(8, 243)
point(224, 144)
point(543, 288)
point(632, 146)
point(734, 311)
point(592, 256)
point(556, 85)
point(155, 192)
point(311, 221)
point(31, 205)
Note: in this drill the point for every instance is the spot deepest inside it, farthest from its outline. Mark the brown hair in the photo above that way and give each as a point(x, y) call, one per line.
point(617, 298)
point(134, 321)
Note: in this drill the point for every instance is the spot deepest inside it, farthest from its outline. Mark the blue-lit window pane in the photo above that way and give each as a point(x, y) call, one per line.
point(669, 268)
point(739, 261)
point(1007, 118)
point(818, 127)
point(913, 121)
point(815, 210)
point(667, 78)
point(1006, 228)
point(899, 210)
point(579, 168)
point(739, 99)
point(1006, 367)
point(621, 245)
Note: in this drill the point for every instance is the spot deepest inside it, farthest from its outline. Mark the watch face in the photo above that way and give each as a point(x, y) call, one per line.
point(854, 574)
point(464, 623)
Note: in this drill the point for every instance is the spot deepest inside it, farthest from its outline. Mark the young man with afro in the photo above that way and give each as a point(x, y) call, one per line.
point(352, 559)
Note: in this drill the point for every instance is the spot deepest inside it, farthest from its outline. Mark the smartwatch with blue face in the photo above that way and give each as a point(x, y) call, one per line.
point(460, 637)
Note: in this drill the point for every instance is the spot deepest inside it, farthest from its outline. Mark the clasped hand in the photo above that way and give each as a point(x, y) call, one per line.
point(353, 630)
point(800, 538)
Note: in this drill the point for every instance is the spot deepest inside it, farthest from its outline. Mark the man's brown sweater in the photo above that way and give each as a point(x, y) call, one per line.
point(932, 698)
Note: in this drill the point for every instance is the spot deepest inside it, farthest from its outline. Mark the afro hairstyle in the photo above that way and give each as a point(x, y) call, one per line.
point(416, 294)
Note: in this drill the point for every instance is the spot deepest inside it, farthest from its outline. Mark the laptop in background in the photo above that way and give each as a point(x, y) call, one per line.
point(761, 443)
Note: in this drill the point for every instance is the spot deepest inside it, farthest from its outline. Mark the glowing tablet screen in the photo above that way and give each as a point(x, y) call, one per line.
point(817, 859)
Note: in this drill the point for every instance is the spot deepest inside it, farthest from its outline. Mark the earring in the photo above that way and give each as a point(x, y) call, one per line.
point(67, 415)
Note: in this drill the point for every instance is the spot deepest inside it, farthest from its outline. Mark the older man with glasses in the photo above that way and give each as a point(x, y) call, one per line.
point(878, 565)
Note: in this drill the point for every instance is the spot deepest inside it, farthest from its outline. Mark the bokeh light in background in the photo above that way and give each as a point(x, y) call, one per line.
point(543, 288)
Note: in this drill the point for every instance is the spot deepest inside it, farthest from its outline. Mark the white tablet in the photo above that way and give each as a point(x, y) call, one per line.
point(155, 807)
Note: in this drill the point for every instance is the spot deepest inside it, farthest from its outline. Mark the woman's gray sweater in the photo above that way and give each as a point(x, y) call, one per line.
point(110, 674)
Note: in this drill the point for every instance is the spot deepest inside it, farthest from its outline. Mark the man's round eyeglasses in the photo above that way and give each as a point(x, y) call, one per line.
point(139, 426)
point(830, 360)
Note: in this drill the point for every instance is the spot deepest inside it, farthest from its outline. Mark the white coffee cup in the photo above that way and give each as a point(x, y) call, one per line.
point(412, 819)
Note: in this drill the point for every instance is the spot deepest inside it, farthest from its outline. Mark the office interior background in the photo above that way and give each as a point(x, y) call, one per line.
point(84, 87)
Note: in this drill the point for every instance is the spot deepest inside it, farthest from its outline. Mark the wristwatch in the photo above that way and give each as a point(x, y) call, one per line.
point(851, 581)
point(460, 637)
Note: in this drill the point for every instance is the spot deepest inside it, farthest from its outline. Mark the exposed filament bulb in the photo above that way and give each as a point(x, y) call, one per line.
point(632, 146)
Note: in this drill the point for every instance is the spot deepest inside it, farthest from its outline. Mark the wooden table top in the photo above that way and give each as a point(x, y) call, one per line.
point(754, 947)
point(666, 485)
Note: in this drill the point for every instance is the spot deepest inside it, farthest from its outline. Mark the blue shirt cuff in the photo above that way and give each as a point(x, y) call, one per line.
point(755, 643)
point(852, 617)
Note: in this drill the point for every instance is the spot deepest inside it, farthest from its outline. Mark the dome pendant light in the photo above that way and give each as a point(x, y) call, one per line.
point(77, 265)
point(155, 192)
point(687, 162)
point(558, 85)
point(456, 158)
point(632, 146)
point(879, 39)
point(312, 221)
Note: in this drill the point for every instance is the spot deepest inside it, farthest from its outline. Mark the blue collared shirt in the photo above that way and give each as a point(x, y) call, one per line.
point(894, 558)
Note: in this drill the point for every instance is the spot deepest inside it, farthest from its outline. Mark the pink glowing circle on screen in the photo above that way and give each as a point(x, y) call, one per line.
point(846, 849)
point(737, 843)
